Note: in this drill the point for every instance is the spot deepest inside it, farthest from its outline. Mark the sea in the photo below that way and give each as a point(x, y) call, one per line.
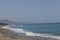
point(38, 29)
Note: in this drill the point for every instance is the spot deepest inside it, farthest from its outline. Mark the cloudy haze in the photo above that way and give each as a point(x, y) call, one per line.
point(30, 10)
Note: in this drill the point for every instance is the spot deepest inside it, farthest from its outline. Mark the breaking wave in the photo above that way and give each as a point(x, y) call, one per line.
point(30, 33)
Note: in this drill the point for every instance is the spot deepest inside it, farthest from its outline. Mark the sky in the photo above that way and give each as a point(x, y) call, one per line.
point(36, 11)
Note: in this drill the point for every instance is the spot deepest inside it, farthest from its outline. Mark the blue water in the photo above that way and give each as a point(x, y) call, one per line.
point(53, 28)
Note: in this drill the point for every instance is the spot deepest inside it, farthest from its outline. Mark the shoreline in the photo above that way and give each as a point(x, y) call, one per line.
point(11, 35)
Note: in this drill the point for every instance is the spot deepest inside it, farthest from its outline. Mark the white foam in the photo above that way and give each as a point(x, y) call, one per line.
point(15, 30)
point(42, 35)
point(5, 27)
point(31, 33)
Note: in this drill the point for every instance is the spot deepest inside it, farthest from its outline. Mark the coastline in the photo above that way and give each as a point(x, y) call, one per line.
point(6, 34)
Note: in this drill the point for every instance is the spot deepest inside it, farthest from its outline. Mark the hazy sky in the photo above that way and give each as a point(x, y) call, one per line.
point(30, 10)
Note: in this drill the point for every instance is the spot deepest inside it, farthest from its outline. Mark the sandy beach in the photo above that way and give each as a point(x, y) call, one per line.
point(6, 34)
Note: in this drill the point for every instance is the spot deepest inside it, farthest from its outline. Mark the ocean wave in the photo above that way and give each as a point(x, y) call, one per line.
point(30, 33)
point(21, 25)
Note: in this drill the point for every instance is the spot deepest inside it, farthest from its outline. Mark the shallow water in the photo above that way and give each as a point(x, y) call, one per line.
point(43, 30)
point(40, 28)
